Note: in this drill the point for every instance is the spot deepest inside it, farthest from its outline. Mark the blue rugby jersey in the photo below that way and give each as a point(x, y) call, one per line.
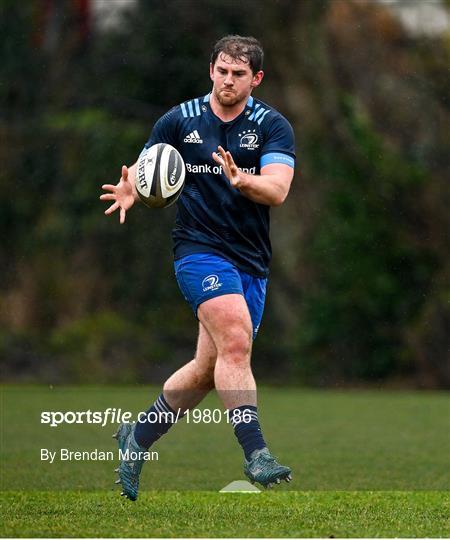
point(212, 216)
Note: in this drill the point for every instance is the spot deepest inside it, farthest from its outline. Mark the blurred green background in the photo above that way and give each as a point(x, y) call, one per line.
point(359, 285)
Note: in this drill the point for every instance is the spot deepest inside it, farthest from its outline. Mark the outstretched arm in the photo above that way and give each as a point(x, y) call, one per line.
point(123, 194)
point(270, 187)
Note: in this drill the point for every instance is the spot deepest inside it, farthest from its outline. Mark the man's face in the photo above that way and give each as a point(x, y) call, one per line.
point(233, 80)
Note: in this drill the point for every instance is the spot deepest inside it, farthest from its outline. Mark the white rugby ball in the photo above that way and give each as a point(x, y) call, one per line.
point(160, 175)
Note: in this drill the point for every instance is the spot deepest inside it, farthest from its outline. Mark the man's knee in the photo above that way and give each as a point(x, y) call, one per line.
point(228, 321)
point(236, 346)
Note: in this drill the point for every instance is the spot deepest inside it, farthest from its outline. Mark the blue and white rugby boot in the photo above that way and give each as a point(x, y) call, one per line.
point(264, 468)
point(130, 466)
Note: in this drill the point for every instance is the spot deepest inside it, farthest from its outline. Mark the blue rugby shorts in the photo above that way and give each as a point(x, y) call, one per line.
point(202, 276)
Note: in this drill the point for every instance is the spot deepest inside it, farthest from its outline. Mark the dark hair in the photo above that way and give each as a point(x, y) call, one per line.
point(245, 49)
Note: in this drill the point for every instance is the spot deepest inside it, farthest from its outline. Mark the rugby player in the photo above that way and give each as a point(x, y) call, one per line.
point(239, 155)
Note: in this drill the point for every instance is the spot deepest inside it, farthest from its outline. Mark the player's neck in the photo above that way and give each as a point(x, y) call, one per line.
point(226, 113)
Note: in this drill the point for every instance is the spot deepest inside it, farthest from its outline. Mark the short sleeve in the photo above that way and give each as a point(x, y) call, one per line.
point(279, 145)
point(165, 130)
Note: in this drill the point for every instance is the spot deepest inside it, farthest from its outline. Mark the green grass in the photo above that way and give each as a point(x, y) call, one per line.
point(186, 514)
point(364, 464)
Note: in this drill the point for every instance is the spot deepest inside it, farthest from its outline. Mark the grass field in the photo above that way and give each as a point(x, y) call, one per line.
point(185, 514)
point(364, 464)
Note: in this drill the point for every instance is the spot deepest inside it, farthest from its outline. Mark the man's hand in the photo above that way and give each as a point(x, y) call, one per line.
point(270, 187)
point(123, 194)
point(229, 167)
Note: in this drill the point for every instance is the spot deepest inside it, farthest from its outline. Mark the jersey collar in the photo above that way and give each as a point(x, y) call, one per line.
point(247, 109)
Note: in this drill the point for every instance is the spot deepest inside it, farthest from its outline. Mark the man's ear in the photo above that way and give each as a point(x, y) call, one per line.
point(211, 71)
point(257, 79)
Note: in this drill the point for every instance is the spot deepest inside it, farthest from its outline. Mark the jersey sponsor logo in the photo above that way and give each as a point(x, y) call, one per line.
point(193, 137)
point(211, 283)
point(249, 140)
point(214, 169)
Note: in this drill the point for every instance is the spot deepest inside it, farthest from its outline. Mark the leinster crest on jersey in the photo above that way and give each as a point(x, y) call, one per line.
point(249, 140)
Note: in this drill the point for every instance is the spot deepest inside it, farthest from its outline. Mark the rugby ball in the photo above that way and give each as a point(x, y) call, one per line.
point(160, 175)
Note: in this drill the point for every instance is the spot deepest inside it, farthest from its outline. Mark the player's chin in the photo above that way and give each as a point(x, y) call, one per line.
point(228, 99)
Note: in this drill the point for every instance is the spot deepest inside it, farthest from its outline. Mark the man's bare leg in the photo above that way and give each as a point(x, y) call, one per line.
point(228, 322)
point(183, 390)
point(190, 384)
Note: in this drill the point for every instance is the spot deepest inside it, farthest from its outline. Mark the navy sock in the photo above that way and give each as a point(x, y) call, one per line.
point(156, 422)
point(247, 429)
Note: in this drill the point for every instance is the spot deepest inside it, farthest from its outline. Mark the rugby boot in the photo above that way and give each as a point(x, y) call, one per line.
point(130, 463)
point(264, 468)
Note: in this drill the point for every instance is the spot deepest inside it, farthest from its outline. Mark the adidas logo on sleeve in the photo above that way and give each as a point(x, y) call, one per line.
point(193, 137)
